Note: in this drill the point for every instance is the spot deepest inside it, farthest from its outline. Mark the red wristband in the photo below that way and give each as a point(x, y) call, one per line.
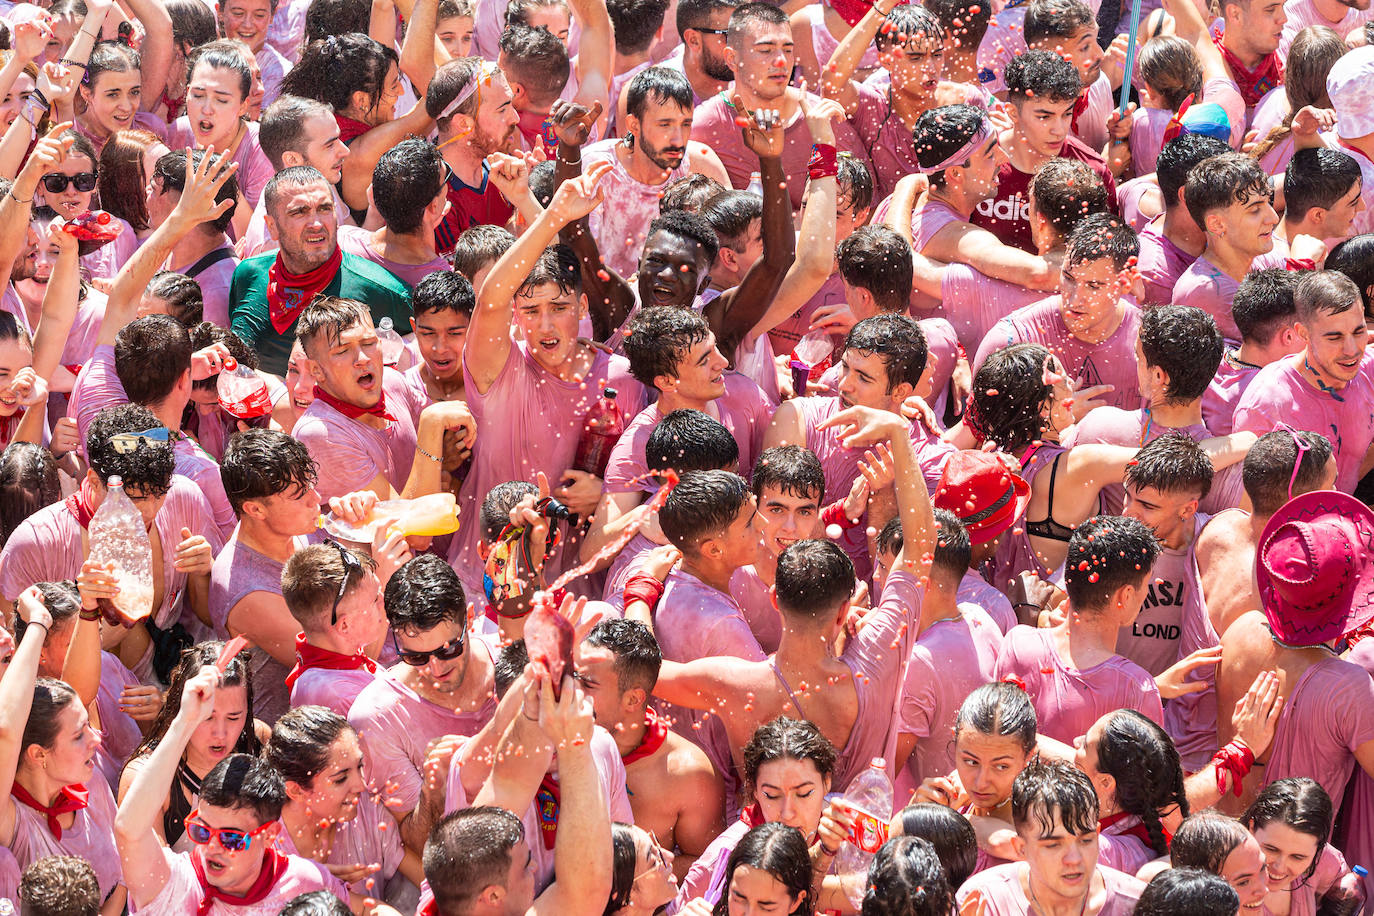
point(1235, 758)
point(834, 514)
point(643, 587)
point(1300, 264)
point(824, 162)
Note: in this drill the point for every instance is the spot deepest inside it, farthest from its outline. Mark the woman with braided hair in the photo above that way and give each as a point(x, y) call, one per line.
point(1135, 769)
point(907, 879)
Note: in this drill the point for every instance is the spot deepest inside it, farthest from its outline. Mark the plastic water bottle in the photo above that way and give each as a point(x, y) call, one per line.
point(870, 795)
point(755, 184)
point(242, 392)
point(600, 432)
point(810, 358)
point(118, 536)
point(1347, 896)
point(392, 344)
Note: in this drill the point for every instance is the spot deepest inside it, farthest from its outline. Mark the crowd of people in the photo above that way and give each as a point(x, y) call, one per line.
point(696, 457)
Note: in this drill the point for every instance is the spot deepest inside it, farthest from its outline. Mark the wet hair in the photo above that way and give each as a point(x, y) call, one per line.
point(689, 193)
point(1313, 52)
point(1141, 757)
point(953, 550)
point(636, 22)
point(259, 463)
point(1263, 305)
point(193, 24)
point(152, 354)
point(890, 539)
point(657, 84)
point(1184, 341)
point(1268, 467)
point(780, 851)
point(541, 182)
point(659, 338)
point(624, 864)
point(407, 179)
point(496, 506)
point(905, 23)
point(521, 12)
point(555, 266)
point(1047, 791)
point(311, 577)
point(793, 469)
point(444, 291)
point(222, 55)
point(326, 319)
point(941, 132)
point(702, 506)
point(1099, 236)
point(28, 482)
point(1298, 803)
point(877, 259)
point(689, 440)
point(63, 602)
point(423, 594)
point(120, 170)
point(1317, 178)
point(59, 886)
point(1219, 182)
point(1179, 157)
point(1328, 292)
point(964, 21)
point(1187, 892)
point(1009, 397)
point(301, 741)
point(50, 697)
point(324, 18)
point(696, 14)
point(478, 247)
point(468, 851)
point(1001, 710)
point(170, 171)
point(185, 301)
point(244, 782)
point(332, 69)
point(1042, 75)
point(287, 180)
point(455, 9)
point(787, 739)
point(748, 15)
point(814, 577)
point(148, 469)
point(1354, 257)
point(690, 227)
point(282, 127)
point(730, 214)
point(1171, 463)
point(949, 832)
point(236, 674)
point(1171, 68)
point(1204, 840)
point(448, 82)
point(1055, 19)
point(206, 334)
point(536, 59)
point(108, 57)
point(899, 340)
point(854, 182)
point(509, 664)
point(1066, 191)
point(1107, 553)
point(907, 878)
point(314, 903)
point(637, 656)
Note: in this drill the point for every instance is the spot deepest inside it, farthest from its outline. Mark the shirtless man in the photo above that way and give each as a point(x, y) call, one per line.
point(674, 791)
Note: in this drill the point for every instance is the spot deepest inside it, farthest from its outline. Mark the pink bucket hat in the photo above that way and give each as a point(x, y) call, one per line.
point(1315, 567)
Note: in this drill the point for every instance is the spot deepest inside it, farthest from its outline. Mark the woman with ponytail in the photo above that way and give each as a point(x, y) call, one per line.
point(1314, 51)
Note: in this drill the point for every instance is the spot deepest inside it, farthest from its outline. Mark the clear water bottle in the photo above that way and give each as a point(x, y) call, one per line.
point(1347, 896)
point(870, 797)
point(810, 358)
point(600, 432)
point(242, 392)
point(755, 184)
point(118, 536)
point(392, 344)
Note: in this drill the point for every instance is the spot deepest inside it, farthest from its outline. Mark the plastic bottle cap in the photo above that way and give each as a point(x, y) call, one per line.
point(878, 762)
point(230, 364)
point(610, 393)
point(1360, 870)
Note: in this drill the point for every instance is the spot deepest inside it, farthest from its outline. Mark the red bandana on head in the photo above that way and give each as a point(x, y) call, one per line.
point(273, 867)
point(288, 294)
point(71, 798)
point(308, 656)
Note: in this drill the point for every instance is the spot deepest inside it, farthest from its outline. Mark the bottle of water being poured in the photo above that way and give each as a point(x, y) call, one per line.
point(118, 536)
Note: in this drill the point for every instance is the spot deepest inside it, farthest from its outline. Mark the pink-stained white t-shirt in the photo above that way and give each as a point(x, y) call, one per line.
point(997, 892)
point(1191, 719)
point(1219, 403)
point(1091, 125)
point(1355, 826)
point(181, 895)
point(1004, 40)
point(1173, 596)
point(950, 660)
point(332, 689)
point(625, 565)
point(349, 454)
point(1110, 362)
point(620, 230)
point(214, 288)
point(119, 733)
point(1161, 263)
point(755, 600)
point(90, 837)
point(1123, 851)
point(1147, 137)
point(359, 241)
point(370, 838)
point(274, 67)
point(886, 138)
point(974, 589)
point(105, 262)
point(1068, 701)
point(90, 312)
point(1211, 289)
point(1278, 394)
point(255, 169)
point(287, 30)
point(1302, 13)
point(974, 302)
point(1139, 201)
point(694, 621)
point(1016, 554)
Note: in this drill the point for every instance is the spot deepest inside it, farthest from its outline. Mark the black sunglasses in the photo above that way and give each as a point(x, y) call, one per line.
point(711, 31)
point(56, 183)
point(350, 564)
point(447, 652)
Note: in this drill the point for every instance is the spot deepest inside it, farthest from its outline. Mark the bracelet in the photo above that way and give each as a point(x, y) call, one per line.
point(643, 587)
point(834, 514)
point(47, 628)
point(824, 161)
point(42, 99)
point(93, 614)
point(1027, 604)
point(71, 63)
point(1235, 758)
point(426, 454)
point(18, 200)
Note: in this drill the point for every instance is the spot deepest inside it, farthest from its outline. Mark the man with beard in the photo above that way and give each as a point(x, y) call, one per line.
point(701, 24)
point(270, 291)
point(654, 153)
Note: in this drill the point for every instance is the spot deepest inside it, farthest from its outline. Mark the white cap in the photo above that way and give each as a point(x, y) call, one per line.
point(1350, 84)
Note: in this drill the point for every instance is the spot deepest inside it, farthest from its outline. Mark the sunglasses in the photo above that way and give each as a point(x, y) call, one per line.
point(447, 652)
point(351, 565)
point(232, 840)
point(128, 443)
point(712, 31)
point(56, 183)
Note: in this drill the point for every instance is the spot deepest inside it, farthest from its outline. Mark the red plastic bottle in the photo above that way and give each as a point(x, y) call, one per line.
point(600, 432)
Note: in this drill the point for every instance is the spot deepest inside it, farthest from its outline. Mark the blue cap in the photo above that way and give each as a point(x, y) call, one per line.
point(1208, 119)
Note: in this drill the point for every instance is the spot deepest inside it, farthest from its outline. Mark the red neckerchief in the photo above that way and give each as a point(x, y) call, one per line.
point(753, 816)
point(288, 294)
point(1354, 150)
point(273, 867)
point(353, 411)
point(655, 733)
point(350, 129)
point(308, 656)
point(546, 806)
point(80, 504)
point(71, 798)
point(1079, 106)
point(1139, 830)
point(173, 105)
point(429, 909)
point(1253, 84)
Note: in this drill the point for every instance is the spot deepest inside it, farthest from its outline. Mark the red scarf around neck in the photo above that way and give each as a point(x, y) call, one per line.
point(71, 798)
point(273, 867)
point(655, 733)
point(753, 815)
point(350, 129)
point(1079, 106)
point(353, 411)
point(288, 294)
point(308, 656)
point(1253, 84)
point(81, 504)
point(1137, 830)
point(546, 802)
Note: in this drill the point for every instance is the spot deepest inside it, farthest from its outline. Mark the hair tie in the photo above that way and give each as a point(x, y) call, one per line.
point(125, 34)
point(1015, 681)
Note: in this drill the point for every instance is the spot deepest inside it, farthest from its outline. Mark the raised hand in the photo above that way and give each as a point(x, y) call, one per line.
point(198, 696)
point(763, 129)
point(511, 174)
point(820, 117)
point(573, 122)
point(28, 388)
point(96, 582)
point(1173, 682)
point(31, 39)
point(194, 555)
point(1257, 714)
point(58, 82)
point(203, 183)
point(49, 153)
point(861, 426)
point(31, 608)
point(577, 197)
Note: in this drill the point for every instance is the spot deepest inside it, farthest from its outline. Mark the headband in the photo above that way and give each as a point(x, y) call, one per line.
point(485, 72)
point(961, 155)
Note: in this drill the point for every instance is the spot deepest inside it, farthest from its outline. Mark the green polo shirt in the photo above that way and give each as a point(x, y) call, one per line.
point(357, 278)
